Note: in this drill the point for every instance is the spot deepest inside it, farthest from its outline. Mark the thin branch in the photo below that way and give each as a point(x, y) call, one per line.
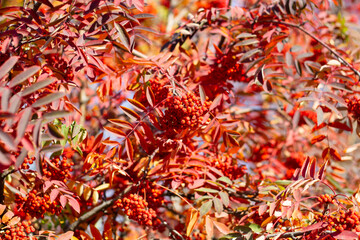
point(337, 55)
point(291, 235)
point(173, 233)
point(146, 170)
point(90, 214)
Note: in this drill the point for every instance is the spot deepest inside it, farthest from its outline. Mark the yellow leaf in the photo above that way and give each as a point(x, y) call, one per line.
point(80, 189)
point(102, 187)
point(87, 193)
point(7, 216)
point(95, 197)
point(11, 3)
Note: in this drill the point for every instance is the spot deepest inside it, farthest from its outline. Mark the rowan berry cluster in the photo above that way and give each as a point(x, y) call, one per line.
point(36, 205)
point(326, 199)
point(230, 169)
point(184, 112)
point(354, 107)
point(226, 67)
point(154, 195)
point(27, 162)
point(19, 231)
point(341, 220)
point(158, 88)
point(57, 66)
point(58, 168)
point(137, 208)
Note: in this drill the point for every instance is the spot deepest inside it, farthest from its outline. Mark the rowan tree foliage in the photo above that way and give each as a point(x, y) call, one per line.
point(133, 119)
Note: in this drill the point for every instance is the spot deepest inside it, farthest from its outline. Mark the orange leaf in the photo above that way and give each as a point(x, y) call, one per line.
point(136, 104)
point(115, 131)
point(129, 149)
point(221, 227)
point(121, 123)
point(191, 221)
point(2, 208)
point(66, 236)
point(13, 221)
point(335, 154)
point(317, 138)
point(130, 113)
point(209, 226)
point(7, 216)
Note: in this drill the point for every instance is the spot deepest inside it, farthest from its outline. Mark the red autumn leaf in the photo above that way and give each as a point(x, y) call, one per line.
point(339, 125)
point(317, 138)
point(95, 232)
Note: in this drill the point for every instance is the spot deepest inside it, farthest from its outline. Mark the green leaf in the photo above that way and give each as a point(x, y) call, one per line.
point(225, 180)
point(255, 228)
point(65, 132)
point(209, 190)
point(54, 131)
point(224, 198)
point(283, 182)
point(232, 236)
point(205, 197)
point(205, 207)
point(218, 205)
point(78, 149)
point(243, 229)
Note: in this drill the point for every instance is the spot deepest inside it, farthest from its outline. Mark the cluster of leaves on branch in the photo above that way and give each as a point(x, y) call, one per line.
point(132, 119)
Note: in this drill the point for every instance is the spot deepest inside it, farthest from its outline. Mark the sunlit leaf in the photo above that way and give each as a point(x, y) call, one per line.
point(205, 207)
point(191, 221)
point(130, 113)
point(21, 77)
point(8, 65)
point(48, 99)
